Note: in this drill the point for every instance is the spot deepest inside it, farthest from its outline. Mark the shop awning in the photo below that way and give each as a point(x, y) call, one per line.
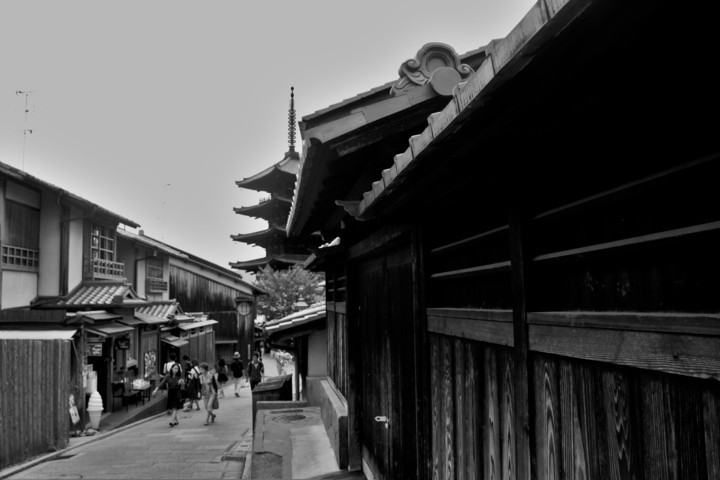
point(191, 325)
point(112, 329)
point(173, 340)
point(131, 321)
point(29, 334)
point(151, 319)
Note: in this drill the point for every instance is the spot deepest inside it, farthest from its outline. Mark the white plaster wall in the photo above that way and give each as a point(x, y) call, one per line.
point(75, 244)
point(317, 354)
point(49, 275)
point(18, 288)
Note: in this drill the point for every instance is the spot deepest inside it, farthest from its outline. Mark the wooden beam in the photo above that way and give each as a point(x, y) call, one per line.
point(469, 241)
point(490, 326)
point(677, 323)
point(466, 272)
point(628, 242)
point(681, 354)
point(625, 189)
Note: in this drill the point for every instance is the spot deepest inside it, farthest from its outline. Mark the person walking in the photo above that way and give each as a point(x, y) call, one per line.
point(255, 371)
point(237, 369)
point(208, 389)
point(172, 360)
point(222, 378)
point(174, 381)
point(194, 384)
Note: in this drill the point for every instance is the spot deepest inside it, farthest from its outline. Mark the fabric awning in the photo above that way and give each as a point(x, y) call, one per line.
point(54, 334)
point(112, 329)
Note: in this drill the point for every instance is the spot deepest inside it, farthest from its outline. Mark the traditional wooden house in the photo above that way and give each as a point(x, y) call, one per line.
point(278, 181)
point(525, 286)
point(52, 244)
point(204, 309)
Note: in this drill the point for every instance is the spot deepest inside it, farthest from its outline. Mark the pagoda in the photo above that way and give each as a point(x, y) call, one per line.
point(278, 181)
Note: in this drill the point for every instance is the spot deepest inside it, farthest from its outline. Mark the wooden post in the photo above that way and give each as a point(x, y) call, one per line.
point(520, 333)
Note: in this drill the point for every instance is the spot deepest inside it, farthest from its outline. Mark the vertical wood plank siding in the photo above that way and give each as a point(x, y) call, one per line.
point(35, 417)
point(590, 420)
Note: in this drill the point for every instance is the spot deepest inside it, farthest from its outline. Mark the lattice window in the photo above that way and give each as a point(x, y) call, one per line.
point(20, 257)
point(102, 243)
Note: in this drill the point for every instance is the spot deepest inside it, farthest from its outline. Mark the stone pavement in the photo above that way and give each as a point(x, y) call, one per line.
point(152, 449)
point(294, 438)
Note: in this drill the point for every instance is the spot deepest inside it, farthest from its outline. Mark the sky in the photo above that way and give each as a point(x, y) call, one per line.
point(153, 109)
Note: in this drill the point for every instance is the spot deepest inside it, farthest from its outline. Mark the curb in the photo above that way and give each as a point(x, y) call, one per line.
point(50, 456)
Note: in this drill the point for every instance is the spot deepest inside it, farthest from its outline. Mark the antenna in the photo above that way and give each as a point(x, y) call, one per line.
point(26, 131)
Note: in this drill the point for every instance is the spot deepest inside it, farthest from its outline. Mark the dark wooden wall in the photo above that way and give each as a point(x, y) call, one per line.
point(36, 380)
point(581, 339)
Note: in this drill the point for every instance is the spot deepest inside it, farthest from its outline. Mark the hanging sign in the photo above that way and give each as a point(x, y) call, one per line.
point(122, 344)
point(95, 349)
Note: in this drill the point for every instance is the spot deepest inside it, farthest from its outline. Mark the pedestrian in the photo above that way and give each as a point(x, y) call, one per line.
point(194, 384)
point(255, 371)
point(222, 377)
point(209, 389)
point(237, 369)
point(172, 360)
point(174, 381)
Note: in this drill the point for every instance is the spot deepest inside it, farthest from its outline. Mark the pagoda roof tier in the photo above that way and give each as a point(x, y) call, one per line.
point(262, 237)
point(277, 178)
point(276, 206)
point(275, 261)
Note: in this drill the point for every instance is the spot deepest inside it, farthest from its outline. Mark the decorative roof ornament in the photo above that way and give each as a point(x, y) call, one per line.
point(435, 63)
point(291, 121)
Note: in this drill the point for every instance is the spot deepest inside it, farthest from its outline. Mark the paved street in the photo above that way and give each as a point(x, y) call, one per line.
point(152, 449)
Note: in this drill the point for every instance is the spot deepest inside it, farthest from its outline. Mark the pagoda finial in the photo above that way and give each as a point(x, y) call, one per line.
point(291, 121)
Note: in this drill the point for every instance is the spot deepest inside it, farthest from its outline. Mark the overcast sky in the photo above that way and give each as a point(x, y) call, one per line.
point(153, 109)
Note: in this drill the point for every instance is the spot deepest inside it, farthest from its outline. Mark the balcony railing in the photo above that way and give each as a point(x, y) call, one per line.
point(107, 269)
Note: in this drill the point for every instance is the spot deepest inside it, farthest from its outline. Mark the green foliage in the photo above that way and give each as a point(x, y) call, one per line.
point(285, 288)
point(283, 359)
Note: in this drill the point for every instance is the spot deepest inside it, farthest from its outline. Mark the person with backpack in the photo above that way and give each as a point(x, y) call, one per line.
point(193, 386)
point(255, 371)
point(236, 367)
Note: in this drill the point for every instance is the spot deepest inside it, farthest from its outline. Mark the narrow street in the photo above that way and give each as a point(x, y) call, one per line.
point(153, 449)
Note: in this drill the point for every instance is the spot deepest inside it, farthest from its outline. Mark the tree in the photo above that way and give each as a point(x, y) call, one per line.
point(285, 288)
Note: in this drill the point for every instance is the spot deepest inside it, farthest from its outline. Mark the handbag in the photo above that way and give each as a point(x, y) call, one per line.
point(215, 402)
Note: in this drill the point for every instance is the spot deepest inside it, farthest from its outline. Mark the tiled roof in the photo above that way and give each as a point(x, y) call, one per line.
point(102, 293)
point(314, 312)
point(161, 312)
point(505, 56)
point(23, 176)
point(151, 242)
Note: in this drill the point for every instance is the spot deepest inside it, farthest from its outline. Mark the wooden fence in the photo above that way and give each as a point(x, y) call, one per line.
point(36, 380)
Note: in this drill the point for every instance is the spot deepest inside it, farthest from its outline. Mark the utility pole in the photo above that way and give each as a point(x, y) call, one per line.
point(26, 131)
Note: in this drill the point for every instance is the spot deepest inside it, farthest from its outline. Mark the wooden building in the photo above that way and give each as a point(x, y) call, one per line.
point(278, 181)
point(188, 288)
point(525, 284)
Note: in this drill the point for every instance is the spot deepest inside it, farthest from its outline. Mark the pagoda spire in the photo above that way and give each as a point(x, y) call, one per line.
point(291, 121)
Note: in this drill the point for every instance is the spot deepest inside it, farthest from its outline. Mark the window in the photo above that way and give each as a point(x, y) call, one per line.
point(155, 269)
point(102, 243)
point(21, 237)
